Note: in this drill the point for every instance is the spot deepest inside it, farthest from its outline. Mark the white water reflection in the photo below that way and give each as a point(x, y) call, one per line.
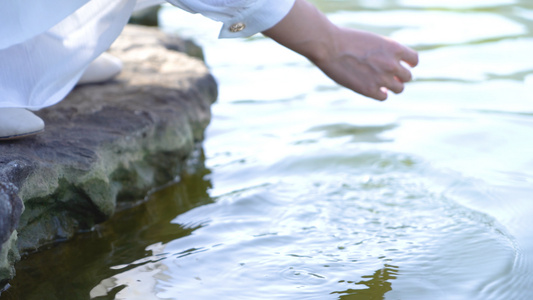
point(418, 28)
point(320, 193)
point(456, 4)
point(498, 60)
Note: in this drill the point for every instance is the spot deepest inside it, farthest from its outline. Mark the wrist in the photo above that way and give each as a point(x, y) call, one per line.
point(321, 47)
point(306, 31)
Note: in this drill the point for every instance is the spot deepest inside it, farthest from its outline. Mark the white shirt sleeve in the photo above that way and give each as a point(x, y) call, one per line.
point(240, 18)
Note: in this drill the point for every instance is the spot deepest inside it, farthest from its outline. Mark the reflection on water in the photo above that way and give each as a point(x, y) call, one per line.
point(374, 287)
point(312, 192)
point(71, 270)
point(369, 134)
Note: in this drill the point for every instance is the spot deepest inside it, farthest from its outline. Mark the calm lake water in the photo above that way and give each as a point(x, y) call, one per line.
point(310, 191)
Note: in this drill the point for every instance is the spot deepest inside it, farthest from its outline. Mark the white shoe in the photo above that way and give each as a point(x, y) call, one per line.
point(19, 122)
point(105, 67)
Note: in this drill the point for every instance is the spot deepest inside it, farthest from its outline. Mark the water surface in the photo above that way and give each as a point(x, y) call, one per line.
point(312, 192)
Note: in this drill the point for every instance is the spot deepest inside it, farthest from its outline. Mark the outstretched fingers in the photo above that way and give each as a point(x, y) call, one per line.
point(377, 92)
point(403, 74)
point(395, 85)
point(410, 56)
point(395, 81)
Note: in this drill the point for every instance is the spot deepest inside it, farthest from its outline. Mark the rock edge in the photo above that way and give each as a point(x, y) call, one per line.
point(105, 146)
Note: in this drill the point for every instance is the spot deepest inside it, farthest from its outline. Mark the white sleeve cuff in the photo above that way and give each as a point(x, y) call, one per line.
point(240, 18)
point(264, 15)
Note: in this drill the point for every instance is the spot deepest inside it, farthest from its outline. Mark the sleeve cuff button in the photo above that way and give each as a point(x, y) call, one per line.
point(237, 27)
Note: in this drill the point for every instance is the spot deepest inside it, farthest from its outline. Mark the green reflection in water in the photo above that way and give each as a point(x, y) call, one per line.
point(374, 288)
point(70, 270)
point(369, 134)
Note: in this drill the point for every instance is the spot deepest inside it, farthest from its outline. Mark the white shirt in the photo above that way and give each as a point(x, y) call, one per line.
point(240, 18)
point(46, 46)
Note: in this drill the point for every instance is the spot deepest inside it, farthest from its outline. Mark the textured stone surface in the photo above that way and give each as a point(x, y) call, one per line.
point(10, 210)
point(105, 146)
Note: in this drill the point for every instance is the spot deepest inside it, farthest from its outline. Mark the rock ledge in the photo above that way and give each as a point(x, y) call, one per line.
point(105, 145)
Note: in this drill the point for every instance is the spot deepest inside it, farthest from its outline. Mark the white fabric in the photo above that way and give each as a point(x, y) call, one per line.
point(256, 15)
point(42, 70)
point(46, 45)
point(22, 20)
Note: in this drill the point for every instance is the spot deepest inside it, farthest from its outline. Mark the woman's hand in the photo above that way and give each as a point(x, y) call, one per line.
point(367, 63)
point(364, 62)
